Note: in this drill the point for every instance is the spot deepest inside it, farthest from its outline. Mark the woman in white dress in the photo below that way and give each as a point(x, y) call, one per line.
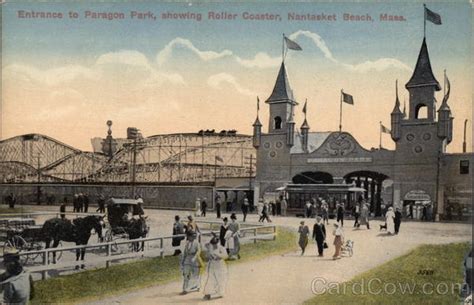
point(190, 264)
point(216, 277)
point(197, 211)
point(390, 221)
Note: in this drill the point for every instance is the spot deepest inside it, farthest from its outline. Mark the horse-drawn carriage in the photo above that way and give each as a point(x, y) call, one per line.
point(22, 234)
point(125, 221)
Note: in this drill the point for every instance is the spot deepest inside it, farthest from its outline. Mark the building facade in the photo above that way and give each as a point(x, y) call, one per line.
point(326, 164)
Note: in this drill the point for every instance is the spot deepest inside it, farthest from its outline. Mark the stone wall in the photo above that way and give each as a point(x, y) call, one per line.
point(154, 196)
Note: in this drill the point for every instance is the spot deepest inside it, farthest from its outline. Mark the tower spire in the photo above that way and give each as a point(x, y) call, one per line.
point(423, 74)
point(396, 109)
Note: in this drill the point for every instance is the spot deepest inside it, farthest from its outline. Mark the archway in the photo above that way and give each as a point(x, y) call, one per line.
point(313, 178)
point(372, 182)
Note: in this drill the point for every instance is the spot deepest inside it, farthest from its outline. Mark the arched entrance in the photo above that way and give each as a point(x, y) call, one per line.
point(313, 178)
point(372, 183)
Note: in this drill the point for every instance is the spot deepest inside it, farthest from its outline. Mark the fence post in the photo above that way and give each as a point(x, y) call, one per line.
point(109, 253)
point(162, 251)
point(255, 235)
point(274, 232)
point(45, 263)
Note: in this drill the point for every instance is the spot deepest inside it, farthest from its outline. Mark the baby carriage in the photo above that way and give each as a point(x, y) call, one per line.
point(348, 248)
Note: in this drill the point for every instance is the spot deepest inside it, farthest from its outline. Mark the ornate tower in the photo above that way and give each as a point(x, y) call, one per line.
point(281, 103)
point(422, 86)
point(257, 132)
point(109, 145)
point(420, 138)
point(396, 117)
point(445, 119)
point(304, 135)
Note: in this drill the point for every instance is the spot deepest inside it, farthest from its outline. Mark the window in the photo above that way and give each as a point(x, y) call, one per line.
point(277, 122)
point(421, 111)
point(464, 167)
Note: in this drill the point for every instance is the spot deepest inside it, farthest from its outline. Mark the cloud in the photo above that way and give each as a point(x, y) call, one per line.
point(216, 80)
point(51, 77)
point(318, 41)
point(167, 51)
point(261, 60)
point(380, 64)
point(126, 57)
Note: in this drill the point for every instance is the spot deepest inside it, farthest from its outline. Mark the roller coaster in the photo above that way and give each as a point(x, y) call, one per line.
point(172, 158)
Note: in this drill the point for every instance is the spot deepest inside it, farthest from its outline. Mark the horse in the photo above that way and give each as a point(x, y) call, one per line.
point(137, 228)
point(77, 231)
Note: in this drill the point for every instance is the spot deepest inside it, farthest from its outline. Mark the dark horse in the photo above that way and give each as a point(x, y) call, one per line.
point(137, 228)
point(77, 231)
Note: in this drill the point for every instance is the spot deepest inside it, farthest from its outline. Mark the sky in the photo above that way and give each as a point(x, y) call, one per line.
point(66, 77)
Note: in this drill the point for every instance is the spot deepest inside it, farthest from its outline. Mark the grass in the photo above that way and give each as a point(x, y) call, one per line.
point(99, 283)
point(437, 267)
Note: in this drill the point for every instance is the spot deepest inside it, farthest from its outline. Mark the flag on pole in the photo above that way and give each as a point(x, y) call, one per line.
point(290, 44)
point(384, 129)
point(432, 16)
point(219, 159)
point(347, 98)
point(258, 104)
point(304, 107)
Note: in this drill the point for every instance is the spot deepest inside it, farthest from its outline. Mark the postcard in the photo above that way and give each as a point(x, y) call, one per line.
point(255, 152)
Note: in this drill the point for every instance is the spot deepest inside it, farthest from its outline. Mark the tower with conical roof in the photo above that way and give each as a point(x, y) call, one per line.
point(420, 137)
point(274, 145)
point(422, 86)
point(282, 102)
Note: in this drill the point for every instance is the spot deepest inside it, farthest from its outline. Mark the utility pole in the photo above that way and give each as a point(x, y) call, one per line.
point(464, 139)
point(134, 166)
point(38, 191)
point(132, 134)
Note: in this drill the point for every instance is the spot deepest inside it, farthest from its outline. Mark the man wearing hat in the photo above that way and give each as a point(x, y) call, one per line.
point(190, 264)
point(319, 234)
point(17, 283)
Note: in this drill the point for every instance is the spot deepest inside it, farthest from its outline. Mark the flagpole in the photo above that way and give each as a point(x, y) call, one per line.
point(215, 170)
point(424, 20)
point(340, 113)
point(380, 142)
point(283, 48)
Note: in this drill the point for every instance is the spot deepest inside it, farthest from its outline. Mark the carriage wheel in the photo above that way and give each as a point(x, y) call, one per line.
point(37, 257)
point(17, 243)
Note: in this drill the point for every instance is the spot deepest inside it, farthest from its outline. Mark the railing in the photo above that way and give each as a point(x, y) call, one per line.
point(107, 252)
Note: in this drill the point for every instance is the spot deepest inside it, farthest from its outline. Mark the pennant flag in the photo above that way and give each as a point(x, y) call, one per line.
point(304, 107)
point(219, 159)
point(290, 44)
point(432, 16)
point(384, 129)
point(347, 98)
point(258, 104)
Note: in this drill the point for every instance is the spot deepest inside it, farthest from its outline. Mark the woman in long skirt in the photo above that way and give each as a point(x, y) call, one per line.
point(216, 278)
point(389, 220)
point(190, 264)
point(303, 240)
point(233, 237)
point(338, 240)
